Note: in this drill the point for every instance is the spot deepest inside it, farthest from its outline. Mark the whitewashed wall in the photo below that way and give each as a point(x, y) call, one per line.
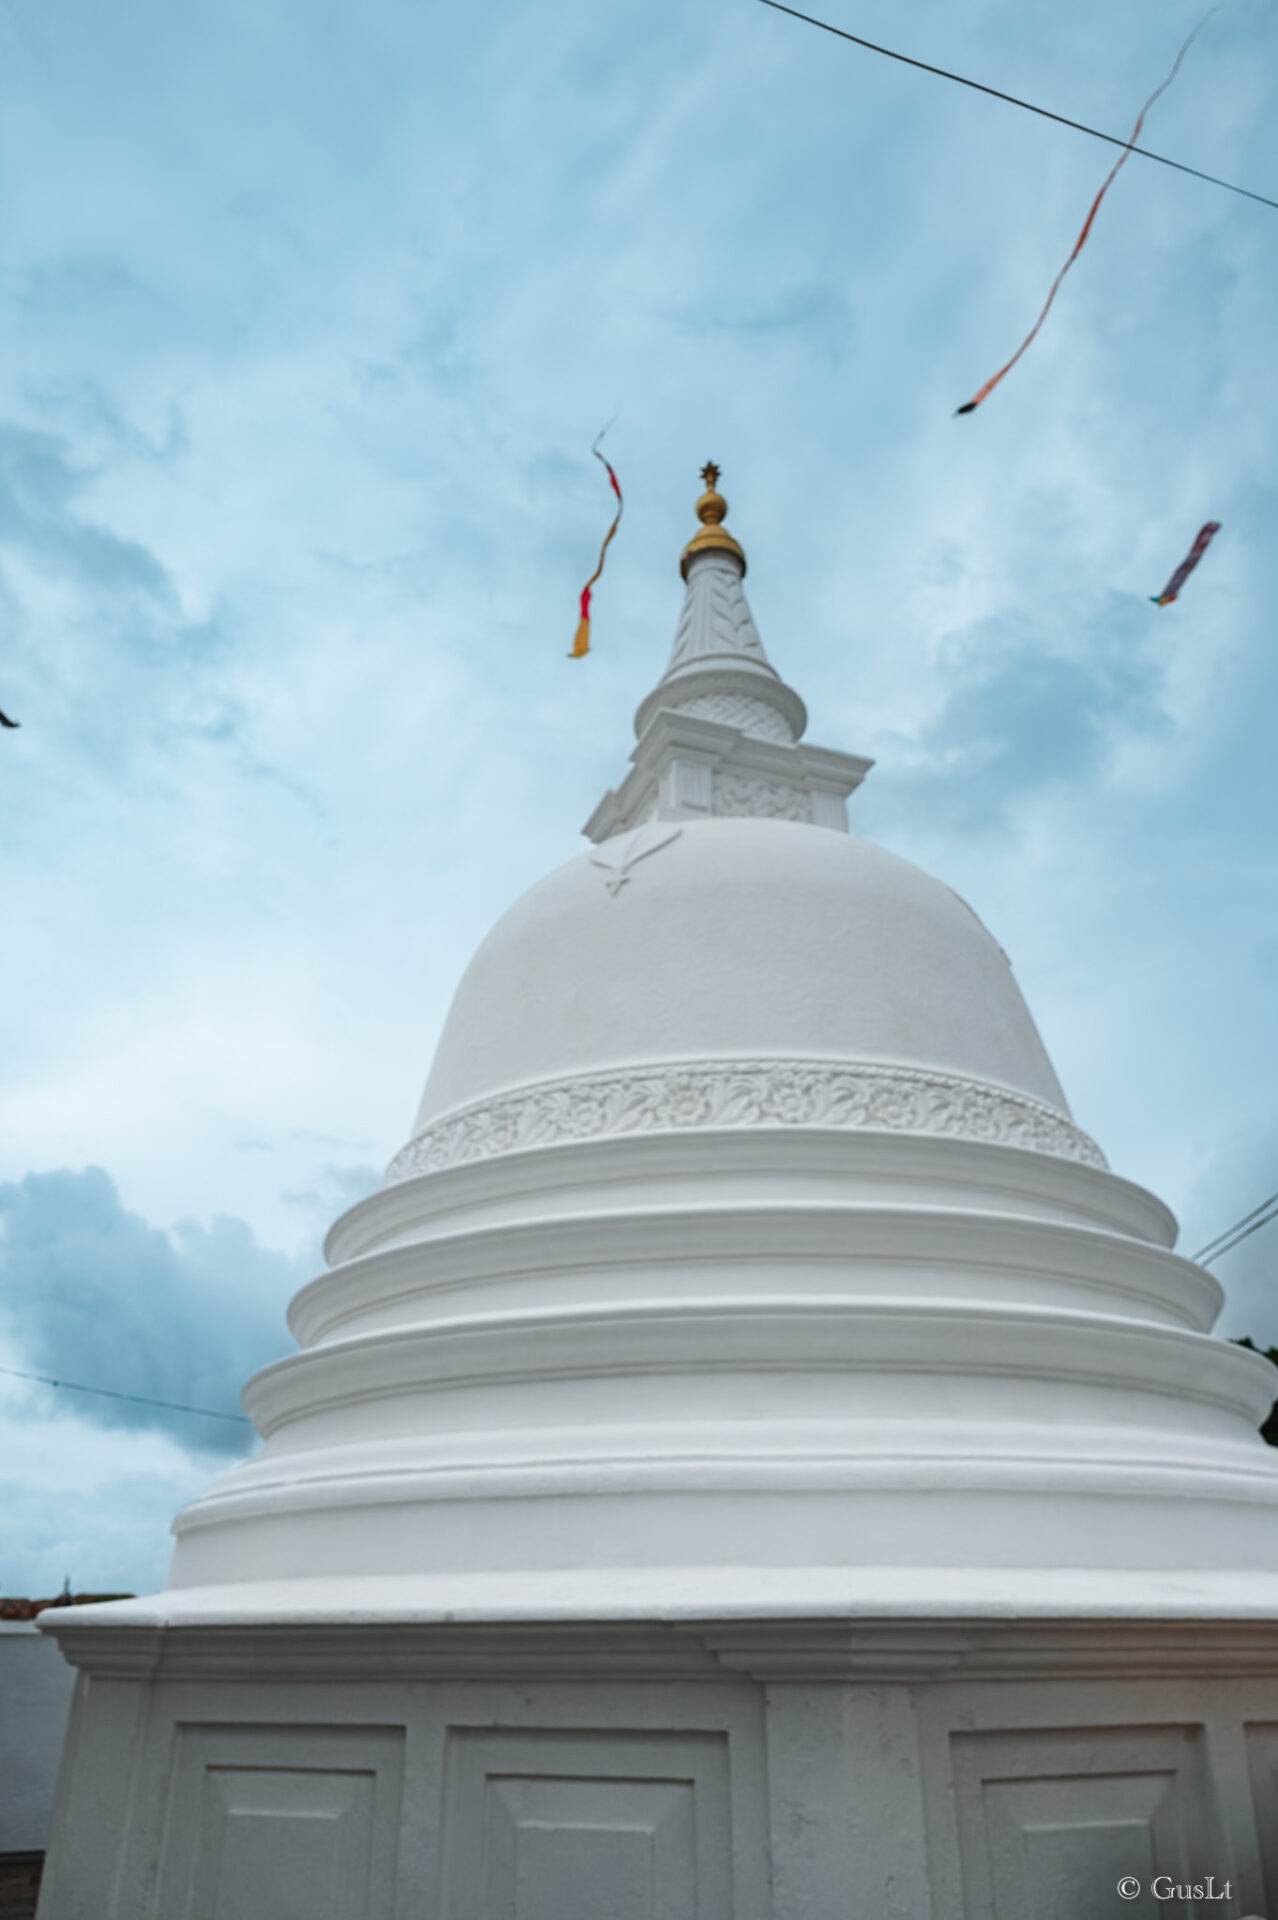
point(35, 1701)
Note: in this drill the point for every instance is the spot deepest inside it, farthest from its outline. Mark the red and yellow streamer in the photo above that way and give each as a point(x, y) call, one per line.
point(983, 393)
point(581, 643)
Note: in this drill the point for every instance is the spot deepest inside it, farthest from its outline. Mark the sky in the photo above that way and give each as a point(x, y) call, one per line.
point(309, 313)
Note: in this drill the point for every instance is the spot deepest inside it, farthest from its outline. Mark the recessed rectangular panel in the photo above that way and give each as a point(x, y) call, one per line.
point(1051, 1821)
point(1061, 1858)
point(291, 1844)
point(1262, 1760)
point(1055, 1843)
point(565, 1825)
point(550, 1837)
point(282, 1823)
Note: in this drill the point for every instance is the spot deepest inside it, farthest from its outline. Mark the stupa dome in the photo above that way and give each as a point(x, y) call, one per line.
point(743, 1223)
point(729, 940)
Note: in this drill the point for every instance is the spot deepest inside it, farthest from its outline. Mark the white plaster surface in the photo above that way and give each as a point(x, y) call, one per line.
point(731, 939)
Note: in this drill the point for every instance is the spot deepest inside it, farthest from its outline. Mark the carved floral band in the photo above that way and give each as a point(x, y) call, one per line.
point(743, 1093)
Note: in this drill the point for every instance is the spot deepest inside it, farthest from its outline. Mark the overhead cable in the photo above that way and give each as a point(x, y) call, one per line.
point(1045, 113)
point(1241, 1230)
point(136, 1399)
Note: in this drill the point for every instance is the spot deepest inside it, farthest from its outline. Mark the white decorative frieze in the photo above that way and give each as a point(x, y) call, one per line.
point(687, 766)
point(742, 711)
point(761, 799)
point(746, 1093)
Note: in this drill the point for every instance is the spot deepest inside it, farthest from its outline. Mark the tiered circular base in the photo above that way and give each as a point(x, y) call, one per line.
point(763, 1347)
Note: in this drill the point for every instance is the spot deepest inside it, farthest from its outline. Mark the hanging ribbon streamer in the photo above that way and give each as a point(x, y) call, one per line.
point(1172, 590)
point(581, 644)
point(984, 392)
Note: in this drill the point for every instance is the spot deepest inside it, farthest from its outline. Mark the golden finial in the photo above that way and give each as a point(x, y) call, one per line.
point(712, 509)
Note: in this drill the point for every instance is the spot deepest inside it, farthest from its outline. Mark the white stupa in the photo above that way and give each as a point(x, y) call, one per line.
point(751, 1458)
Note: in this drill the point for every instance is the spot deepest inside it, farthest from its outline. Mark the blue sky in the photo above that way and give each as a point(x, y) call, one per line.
point(308, 316)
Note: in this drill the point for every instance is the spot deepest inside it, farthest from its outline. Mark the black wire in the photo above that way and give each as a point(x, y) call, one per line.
point(1237, 1223)
point(1012, 100)
point(1235, 1235)
point(1240, 1237)
point(137, 1399)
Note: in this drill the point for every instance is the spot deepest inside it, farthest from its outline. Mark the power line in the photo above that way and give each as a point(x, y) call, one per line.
point(1045, 113)
point(1240, 1237)
point(1241, 1230)
point(136, 1399)
point(1211, 1244)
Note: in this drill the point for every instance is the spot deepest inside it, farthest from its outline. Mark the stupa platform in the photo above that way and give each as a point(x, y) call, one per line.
point(752, 1460)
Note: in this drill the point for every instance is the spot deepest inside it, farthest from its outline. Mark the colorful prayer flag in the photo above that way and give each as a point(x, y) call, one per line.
point(983, 393)
point(1170, 592)
point(581, 643)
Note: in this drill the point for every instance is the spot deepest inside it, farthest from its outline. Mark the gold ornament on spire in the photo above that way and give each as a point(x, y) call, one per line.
point(714, 537)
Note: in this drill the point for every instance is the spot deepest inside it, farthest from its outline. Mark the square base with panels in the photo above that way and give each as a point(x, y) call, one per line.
point(765, 1769)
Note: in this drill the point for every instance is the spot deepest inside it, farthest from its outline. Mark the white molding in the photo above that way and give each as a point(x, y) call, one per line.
point(656, 1170)
point(742, 1593)
point(922, 1253)
point(662, 783)
point(821, 1650)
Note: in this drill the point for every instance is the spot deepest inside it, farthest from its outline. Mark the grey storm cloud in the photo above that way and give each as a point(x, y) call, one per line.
point(1022, 715)
point(92, 1293)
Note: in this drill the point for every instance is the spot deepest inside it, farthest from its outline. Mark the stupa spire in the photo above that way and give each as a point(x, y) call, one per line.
point(720, 731)
point(712, 511)
point(716, 636)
